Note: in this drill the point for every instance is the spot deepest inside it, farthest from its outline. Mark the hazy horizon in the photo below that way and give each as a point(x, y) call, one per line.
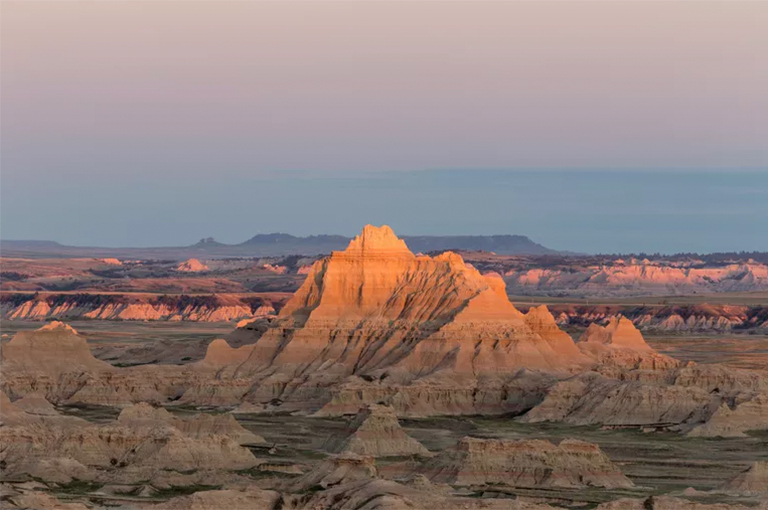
point(158, 123)
point(577, 210)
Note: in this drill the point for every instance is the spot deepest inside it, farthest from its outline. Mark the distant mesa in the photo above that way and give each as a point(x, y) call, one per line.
point(280, 244)
point(208, 242)
point(191, 266)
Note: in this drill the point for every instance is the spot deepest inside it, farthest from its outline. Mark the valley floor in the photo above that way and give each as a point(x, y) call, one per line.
point(112, 341)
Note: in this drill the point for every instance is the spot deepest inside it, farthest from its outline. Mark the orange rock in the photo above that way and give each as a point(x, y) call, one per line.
point(376, 305)
point(192, 266)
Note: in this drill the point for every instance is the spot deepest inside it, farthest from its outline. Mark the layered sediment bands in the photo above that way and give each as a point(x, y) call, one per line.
point(376, 312)
point(640, 277)
point(351, 481)
point(42, 501)
point(531, 463)
point(697, 318)
point(753, 481)
point(425, 335)
point(378, 307)
point(135, 307)
point(594, 399)
point(748, 413)
point(140, 443)
point(336, 470)
point(669, 503)
point(444, 395)
point(620, 345)
point(690, 398)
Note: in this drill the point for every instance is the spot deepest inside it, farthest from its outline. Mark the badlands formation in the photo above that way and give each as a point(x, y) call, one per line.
point(642, 277)
point(380, 334)
point(191, 266)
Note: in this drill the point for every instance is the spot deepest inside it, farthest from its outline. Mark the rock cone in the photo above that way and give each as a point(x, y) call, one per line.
point(376, 432)
point(191, 266)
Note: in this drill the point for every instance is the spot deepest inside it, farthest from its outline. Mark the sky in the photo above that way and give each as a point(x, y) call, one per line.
point(588, 126)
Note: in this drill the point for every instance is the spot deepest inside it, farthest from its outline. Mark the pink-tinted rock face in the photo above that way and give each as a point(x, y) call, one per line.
point(447, 334)
point(618, 333)
point(642, 277)
point(54, 349)
point(272, 268)
point(376, 305)
point(191, 266)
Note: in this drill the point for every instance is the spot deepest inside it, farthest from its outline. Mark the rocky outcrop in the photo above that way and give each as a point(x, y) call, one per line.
point(43, 501)
point(54, 349)
point(753, 481)
point(384, 307)
point(734, 421)
point(639, 278)
point(251, 498)
point(142, 441)
point(591, 398)
point(386, 494)
point(442, 395)
point(197, 426)
point(424, 335)
point(679, 399)
point(695, 318)
point(133, 307)
point(619, 333)
point(191, 266)
point(666, 503)
point(336, 470)
point(620, 344)
point(376, 432)
point(530, 463)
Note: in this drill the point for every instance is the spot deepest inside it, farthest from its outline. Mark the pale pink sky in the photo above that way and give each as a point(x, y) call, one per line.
point(334, 86)
point(138, 106)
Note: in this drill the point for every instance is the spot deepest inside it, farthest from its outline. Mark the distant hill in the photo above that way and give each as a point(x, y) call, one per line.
point(31, 245)
point(500, 244)
point(276, 244)
point(286, 244)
